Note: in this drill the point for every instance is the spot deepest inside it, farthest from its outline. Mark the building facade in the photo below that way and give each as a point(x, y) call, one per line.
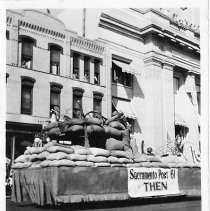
point(48, 67)
point(144, 63)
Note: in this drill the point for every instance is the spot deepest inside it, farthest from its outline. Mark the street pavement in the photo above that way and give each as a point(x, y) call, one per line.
point(153, 205)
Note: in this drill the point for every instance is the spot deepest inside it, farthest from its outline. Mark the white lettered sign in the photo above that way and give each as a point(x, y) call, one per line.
point(152, 182)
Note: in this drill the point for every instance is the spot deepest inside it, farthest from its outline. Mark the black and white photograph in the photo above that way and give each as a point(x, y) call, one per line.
point(103, 108)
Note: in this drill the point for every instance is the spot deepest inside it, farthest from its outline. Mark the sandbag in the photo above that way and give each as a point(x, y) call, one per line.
point(152, 158)
point(50, 144)
point(34, 150)
point(76, 147)
point(54, 132)
point(112, 159)
point(117, 125)
point(65, 162)
point(83, 163)
point(22, 165)
point(33, 157)
point(82, 151)
point(94, 121)
point(102, 164)
point(36, 164)
point(52, 163)
point(75, 130)
point(184, 165)
point(43, 155)
point(173, 165)
point(119, 154)
point(77, 157)
point(194, 165)
point(44, 163)
point(97, 159)
point(117, 165)
point(146, 164)
point(50, 126)
point(170, 159)
point(72, 122)
point(95, 129)
point(26, 152)
point(99, 152)
point(57, 156)
point(125, 160)
point(113, 144)
point(113, 133)
point(22, 159)
point(60, 149)
point(140, 159)
point(131, 165)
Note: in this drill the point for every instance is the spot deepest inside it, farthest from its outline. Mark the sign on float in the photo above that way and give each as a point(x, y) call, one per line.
point(152, 182)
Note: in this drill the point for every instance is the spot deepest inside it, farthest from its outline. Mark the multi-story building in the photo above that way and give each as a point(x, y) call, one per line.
point(155, 60)
point(144, 63)
point(48, 67)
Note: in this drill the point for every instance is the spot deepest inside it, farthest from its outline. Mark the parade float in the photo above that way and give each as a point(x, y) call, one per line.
point(101, 162)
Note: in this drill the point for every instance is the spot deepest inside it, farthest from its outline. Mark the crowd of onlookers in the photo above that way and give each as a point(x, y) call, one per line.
point(182, 23)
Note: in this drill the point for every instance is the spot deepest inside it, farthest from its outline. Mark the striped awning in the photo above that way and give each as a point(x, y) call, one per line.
point(125, 67)
point(180, 121)
point(124, 106)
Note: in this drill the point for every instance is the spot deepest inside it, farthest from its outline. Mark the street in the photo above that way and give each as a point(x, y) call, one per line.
point(153, 205)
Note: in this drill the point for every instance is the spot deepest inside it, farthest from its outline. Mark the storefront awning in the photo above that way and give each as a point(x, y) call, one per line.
point(125, 67)
point(124, 106)
point(180, 121)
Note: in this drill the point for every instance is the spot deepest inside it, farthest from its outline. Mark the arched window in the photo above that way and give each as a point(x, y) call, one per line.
point(55, 52)
point(97, 102)
point(77, 102)
point(27, 95)
point(55, 90)
point(27, 51)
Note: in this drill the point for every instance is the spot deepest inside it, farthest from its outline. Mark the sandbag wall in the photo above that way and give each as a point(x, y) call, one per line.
point(110, 135)
point(53, 154)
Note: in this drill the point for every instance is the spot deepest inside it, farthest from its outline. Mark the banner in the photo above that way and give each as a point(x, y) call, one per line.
point(152, 182)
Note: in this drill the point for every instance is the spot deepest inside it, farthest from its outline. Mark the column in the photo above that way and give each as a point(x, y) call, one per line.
point(13, 149)
point(153, 122)
point(168, 107)
point(191, 87)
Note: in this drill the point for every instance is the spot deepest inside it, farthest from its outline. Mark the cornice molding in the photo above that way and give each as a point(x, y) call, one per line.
point(40, 29)
point(87, 45)
point(128, 30)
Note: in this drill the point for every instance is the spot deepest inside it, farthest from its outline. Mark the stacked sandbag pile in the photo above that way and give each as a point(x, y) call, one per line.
point(119, 158)
point(28, 159)
point(174, 161)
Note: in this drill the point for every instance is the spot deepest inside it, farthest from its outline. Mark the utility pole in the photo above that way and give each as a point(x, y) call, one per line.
point(84, 23)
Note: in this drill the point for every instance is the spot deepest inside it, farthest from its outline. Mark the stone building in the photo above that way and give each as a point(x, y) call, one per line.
point(154, 58)
point(149, 69)
point(48, 67)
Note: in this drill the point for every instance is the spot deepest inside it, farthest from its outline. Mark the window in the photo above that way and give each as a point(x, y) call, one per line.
point(77, 103)
point(55, 52)
point(96, 71)
point(97, 100)
point(87, 69)
point(120, 77)
point(55, 91)
point(27, 52)
point(7, 35)
point(76, 66)
point(27, 96)
point(176, 84)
